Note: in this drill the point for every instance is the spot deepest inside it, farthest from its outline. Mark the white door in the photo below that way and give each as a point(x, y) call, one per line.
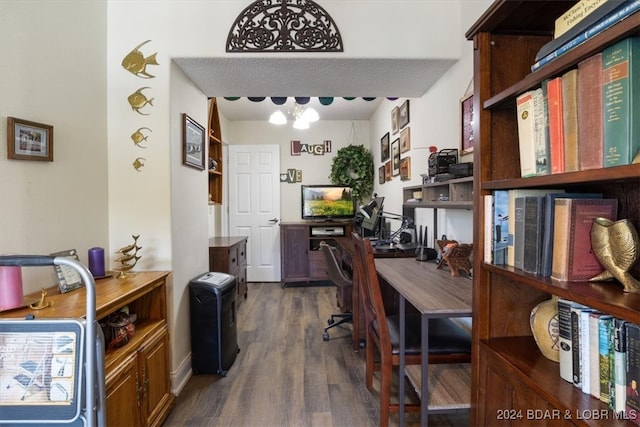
point(254, 207)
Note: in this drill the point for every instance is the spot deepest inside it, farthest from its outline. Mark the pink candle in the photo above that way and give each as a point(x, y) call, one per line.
point(10, 287)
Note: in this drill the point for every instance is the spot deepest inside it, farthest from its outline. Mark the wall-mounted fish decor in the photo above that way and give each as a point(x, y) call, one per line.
point(136, 63)
point(138, 100)
point(139, 163)
point(137, 137)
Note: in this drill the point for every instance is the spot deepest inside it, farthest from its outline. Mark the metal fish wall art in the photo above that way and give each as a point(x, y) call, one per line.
point(138, 100)
point(136, 63)
point(139, 163)
point(138, 137)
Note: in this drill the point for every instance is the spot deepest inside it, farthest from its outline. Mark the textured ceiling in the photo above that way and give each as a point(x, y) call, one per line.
point(314, 77)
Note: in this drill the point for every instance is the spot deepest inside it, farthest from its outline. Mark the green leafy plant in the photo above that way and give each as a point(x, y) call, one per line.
point(353, 166)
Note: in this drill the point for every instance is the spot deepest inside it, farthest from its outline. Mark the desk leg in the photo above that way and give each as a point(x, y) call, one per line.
point(424, 367)
point(401, 375)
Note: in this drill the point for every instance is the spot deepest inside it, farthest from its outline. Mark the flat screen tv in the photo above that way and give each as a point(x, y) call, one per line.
point(327, 202)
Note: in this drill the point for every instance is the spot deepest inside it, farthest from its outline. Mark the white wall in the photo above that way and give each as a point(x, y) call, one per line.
point(53, 71)
point(315, 168)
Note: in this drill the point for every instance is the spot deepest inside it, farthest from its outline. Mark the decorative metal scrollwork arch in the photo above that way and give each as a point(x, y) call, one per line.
point(284, 26)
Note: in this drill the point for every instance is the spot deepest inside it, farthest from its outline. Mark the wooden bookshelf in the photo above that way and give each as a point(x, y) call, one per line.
point(509, 372)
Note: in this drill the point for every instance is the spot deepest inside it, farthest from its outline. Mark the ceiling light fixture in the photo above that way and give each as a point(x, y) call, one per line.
point(303, 116)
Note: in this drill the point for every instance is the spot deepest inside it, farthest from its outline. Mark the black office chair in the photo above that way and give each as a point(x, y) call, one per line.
point(345, 289)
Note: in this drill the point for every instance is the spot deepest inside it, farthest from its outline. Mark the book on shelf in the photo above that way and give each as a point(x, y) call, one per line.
point(488, 228)
point(527, 132)
point(625, 10)
point(577, 344)
point(605, 326)
point(621, 99)
point(513, 238)
point(556, 124)
point(541, 141)
point(533, 218)
point(578, 26)
point(619, 364)
point(565, 339)
point(576, 14)
point(594, 353)
point(570, 119)
point(573, 259)
point(500, 226)
point(632, 407)
point(549, 218)
point(590, 112)
point(585, 350)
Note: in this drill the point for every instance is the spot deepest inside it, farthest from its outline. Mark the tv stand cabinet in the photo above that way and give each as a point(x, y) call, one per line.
point(300, 256)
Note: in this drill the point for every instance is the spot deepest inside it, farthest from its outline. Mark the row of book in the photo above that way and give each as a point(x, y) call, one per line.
point(602, 15)
point(546, 232)
point(586, 118)
point(600, 354)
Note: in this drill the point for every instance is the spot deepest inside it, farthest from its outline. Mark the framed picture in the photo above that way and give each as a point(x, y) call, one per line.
point(405, 168)
point(193, 138)
point(381, 175)
point(387, 171)
point(384, 147)
point(466, 120)
point(405, 140)
point(395, 157)
point(29, 140)
point(68, 278)
point(403, 114)
point(394, 120)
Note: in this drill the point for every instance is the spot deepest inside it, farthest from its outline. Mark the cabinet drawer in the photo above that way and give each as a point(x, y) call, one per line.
point(242, 253)
point(317, 265)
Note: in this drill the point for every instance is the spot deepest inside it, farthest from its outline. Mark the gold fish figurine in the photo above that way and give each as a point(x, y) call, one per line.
point(137, 137)
point(617, 247)
point(138, 100)
point(136, 63)
point(129, 248)
point(139, 163)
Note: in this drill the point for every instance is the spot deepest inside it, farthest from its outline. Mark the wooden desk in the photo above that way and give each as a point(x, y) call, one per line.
point(434, 293)
point(359, 324)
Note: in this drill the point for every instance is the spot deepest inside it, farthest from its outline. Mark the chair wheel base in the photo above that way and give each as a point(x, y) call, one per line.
point(331, 321)
point(325, 336)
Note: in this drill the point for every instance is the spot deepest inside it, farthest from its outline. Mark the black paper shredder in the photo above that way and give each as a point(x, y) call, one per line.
point(214, 340)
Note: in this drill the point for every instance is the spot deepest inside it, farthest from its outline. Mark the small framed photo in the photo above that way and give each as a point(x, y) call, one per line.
point(193, 139)
point(387, 171)
point(405, 168)
point(68, 278)
point(466, 121)
point(384, 147)
point(403, 114)
point(405, 140)
point(395, 156)
point(381, 175)
point(394, 120)
point(28, 140)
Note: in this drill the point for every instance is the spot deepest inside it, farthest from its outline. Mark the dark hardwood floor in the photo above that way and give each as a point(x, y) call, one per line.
point(285, 374)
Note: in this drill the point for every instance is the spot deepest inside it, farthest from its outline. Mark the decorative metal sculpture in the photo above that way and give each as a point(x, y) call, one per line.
point(138, 100)
point(137, 137)
point(284, 26)
point(616, 245)
point(139, 163)
point(136, 63)
point(129, 257)
point(42, 303)
point(456, 256)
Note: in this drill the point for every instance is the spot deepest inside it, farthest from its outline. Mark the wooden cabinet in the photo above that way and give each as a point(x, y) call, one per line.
point(137, 374)
point(215, 165)
point(300, 255)
point(229, 255)
point(509, 372)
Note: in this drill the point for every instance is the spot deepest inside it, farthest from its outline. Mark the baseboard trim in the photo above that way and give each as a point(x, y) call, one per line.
point(180, 377)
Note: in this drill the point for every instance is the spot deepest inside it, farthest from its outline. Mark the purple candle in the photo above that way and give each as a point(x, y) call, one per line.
point(96, 262)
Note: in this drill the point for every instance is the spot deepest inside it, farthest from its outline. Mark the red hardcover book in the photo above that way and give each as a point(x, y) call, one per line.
point(590, 112)
point(556, 125)
point(570, 119)
point(573, 259)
